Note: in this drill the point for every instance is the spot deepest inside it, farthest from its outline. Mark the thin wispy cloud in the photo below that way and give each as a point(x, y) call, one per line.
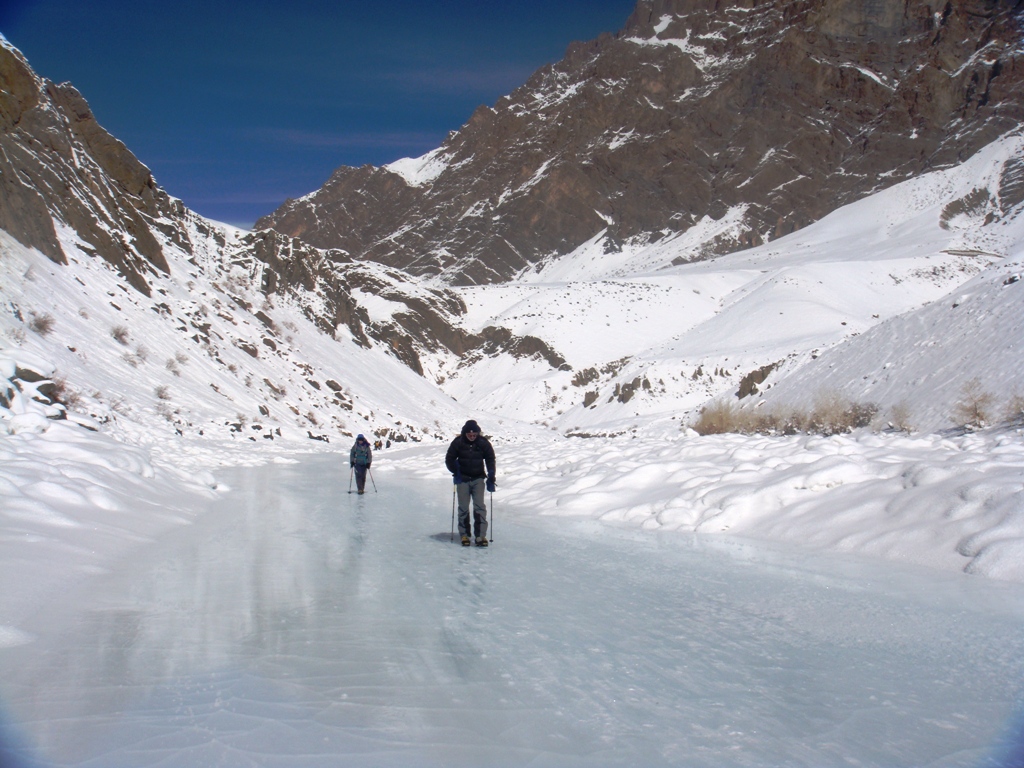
point(483, 81)
point(347, 140)
point(268, 199)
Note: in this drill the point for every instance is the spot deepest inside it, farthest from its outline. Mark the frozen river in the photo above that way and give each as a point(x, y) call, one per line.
point(298, 625)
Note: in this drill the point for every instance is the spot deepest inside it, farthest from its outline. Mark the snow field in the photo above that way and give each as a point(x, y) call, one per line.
point(190, 359)
point(70, 502)
point(951, 503)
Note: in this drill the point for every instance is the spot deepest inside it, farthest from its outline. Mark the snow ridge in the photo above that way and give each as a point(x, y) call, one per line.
point(421, 171)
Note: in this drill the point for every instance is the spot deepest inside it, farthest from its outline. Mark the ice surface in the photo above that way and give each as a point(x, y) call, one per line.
point(295, 624)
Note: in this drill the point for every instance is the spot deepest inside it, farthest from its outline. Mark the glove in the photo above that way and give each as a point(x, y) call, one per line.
point(490, 484)
point(352, 464)
point(457, 478)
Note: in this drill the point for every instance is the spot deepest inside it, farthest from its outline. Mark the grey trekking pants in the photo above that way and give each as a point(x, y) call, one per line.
point(472, 488)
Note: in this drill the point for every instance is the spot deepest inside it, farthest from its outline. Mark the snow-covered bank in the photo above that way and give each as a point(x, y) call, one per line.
point(70, 502)
point(954, 503)
point(73, 500)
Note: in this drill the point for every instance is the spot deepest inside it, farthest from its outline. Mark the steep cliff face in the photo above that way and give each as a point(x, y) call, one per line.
point(60, 168)
point(782, 110)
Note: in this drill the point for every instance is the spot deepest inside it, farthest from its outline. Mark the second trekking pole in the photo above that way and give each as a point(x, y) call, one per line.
point(453, 515)
point(350, 472)
point(370, 473)
point(492, 515)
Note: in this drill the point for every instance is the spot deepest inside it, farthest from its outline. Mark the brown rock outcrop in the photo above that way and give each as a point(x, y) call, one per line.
point(57, 164)
point(785, 109)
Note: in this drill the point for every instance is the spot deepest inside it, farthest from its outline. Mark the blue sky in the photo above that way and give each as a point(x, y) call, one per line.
point(236, 106)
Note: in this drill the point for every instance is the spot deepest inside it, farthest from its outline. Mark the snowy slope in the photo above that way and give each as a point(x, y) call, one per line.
point(117, 409)
point(929, 360)
point(660, 340)
point(208, 355)
point(925, 361)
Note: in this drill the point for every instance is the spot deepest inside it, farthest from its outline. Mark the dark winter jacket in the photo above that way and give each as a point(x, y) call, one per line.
point(470, 459)
point(361, 455)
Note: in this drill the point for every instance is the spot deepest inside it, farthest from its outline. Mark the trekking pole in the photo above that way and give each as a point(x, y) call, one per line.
point(492, 515)
point(370, 473)
point(350, 471)
point(453, 516)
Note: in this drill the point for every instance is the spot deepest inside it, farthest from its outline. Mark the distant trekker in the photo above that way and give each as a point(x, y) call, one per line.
point(470, 459)
point(360, 458)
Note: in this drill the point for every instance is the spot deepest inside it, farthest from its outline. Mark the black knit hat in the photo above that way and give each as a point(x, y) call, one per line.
point(470, 426)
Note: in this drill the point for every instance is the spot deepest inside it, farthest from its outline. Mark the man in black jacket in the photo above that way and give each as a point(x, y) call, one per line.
point(470, 459)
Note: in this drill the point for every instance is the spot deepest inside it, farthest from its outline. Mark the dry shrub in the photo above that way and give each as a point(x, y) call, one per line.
point(780, 421)
point(831, 415)
point(41, 323)
point(723, 416)
point(899, 417)
point(120, 334)
point(717, 418)
point(973, 409)
point(62, 393)
point(1015, 409)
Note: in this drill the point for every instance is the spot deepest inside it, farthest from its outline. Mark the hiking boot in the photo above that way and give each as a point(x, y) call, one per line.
point(361, 491)
point(465, 541)
point(481, 541)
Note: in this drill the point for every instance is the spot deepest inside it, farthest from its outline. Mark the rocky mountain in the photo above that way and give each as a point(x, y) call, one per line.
point(143, 313)
point(59, 168)
point(652, 341)
point(131, 269)
point(762, 115)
